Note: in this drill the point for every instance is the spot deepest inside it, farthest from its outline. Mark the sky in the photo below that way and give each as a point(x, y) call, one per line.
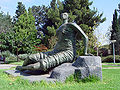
point(106, 7)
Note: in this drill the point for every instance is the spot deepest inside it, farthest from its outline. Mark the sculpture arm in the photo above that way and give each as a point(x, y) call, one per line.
point(81, 32)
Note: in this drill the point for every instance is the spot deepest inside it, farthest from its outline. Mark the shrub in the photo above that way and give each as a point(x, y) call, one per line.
point(109, 58)
point(6, 54)
point(23, 56)
point(91, 78)
point(75, 78)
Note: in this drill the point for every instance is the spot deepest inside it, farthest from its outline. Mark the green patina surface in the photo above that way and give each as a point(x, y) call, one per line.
point(64, 51)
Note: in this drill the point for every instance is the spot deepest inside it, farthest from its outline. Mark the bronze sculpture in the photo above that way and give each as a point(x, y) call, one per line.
point(64, 51)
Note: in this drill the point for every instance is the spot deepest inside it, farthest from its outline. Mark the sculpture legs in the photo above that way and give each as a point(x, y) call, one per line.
point(35, 66)
point(44, 62)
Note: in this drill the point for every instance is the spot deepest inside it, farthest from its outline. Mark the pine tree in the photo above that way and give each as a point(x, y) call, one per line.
point(5, 22)
point(115, 31)
point(25, 32)
point(79, 12)
point(6, 32)
point(53, 21)
point(20, 10)
point(114, 25)
point(85, 17)
point(39, 12)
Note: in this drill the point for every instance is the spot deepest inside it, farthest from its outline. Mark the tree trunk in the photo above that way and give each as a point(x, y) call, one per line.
point(17, 55)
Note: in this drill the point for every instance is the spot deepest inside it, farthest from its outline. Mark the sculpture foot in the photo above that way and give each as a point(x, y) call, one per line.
point(35, 66)
point(19, 68)
point(89, 54)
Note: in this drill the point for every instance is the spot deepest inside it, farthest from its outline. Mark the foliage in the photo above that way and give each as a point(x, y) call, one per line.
point(41, 48)
point(80, 48)
point(75, 78)
point(79, 12)
point(85, 17)
point(5, 22)
point(7, 42)
point(47, 19)
point(115, 32)
point(39, 12)
point(8, 56)
point(110, 58)
point(20, 10)
point(23, 37)
point(25, 32)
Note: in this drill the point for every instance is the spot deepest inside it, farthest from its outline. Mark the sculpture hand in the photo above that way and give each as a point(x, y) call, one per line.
point(88, 54)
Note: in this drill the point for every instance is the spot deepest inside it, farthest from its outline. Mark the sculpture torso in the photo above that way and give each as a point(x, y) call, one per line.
point(66, 38)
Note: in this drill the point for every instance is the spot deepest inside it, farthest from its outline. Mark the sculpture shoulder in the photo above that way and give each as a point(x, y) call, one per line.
point(73, 25)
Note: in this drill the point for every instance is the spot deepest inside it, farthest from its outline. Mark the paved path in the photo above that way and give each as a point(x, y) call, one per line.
point(111, 64)
point(111, 68)
point(6, 66)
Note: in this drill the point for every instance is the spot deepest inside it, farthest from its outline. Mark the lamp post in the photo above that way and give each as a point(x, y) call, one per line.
point(113, 41)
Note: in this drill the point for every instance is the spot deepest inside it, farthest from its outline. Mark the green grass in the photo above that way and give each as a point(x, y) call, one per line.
point(14, 62)
point(111, 80)
point(111, 65)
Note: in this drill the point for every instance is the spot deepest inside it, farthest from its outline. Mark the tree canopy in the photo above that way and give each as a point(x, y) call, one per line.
point(115, 32)
point(44, 20)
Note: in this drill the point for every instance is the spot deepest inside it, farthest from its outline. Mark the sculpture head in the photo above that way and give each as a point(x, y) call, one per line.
point(64, 16)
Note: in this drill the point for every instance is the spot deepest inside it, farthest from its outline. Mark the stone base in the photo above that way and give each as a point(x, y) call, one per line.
point(63, 71)
point(84, 66)
point(29, 77)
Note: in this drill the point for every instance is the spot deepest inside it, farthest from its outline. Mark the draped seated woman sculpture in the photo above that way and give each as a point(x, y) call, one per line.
point(64, 51)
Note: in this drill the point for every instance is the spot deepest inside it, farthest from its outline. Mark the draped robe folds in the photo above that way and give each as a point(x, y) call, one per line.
point(64, 50)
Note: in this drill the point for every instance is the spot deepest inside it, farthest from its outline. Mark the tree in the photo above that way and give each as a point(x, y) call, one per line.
point(20, 10)
point(115, 32)
point(52, 22)
point(39, 12)
point(85, 17)
point(5, 22)
point(79, 12)
point(25, 32)
point(114, 25)
point(6, 32)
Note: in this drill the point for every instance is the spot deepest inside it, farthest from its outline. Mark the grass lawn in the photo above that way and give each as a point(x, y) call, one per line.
point(14, 62)
point(111, 80)
point(111, 65)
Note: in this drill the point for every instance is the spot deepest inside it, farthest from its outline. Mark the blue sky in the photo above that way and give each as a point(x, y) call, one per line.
point(105, 6)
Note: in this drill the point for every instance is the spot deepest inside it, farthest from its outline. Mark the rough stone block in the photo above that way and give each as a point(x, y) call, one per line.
point(86, 61)
point(89, 71)
point(63, 71)
point(85, 65)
